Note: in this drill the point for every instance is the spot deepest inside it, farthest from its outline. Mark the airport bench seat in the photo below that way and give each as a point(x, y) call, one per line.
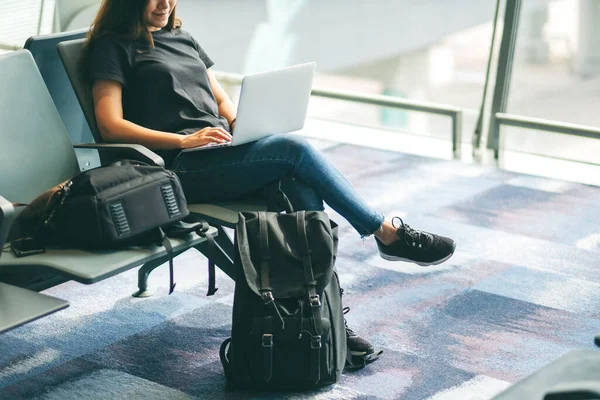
point(36, 154)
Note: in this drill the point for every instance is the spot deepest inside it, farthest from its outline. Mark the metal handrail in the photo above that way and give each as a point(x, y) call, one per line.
point(387, 101)
point(547, 125)
point(455, 113)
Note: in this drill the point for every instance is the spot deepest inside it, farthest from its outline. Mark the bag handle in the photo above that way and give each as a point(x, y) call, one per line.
point(276, 199)
point(284, 200)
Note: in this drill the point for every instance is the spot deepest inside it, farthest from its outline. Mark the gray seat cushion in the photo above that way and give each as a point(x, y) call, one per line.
point(89, 267)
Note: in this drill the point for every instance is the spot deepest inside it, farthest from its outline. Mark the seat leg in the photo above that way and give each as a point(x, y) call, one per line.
point(143, 274)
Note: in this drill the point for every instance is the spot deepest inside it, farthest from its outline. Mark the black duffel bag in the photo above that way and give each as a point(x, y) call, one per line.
point(116, 205)
point(125, 203)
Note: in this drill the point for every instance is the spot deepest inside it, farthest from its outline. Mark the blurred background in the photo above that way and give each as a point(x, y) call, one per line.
point(432, 51)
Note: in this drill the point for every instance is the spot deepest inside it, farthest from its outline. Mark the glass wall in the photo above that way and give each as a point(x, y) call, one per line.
point(428, 50)
point(556, 76)
point(556, 73)
point(20, 19)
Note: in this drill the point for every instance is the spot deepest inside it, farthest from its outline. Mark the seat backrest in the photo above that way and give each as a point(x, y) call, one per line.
point(6, 217)
point(35, 151)
point(43, 49)
point(45, 54)
point(71, 53)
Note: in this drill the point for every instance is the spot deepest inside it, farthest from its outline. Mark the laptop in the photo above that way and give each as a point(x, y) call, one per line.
point(270, 102)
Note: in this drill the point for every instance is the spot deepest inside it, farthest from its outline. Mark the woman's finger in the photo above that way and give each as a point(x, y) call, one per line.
point(217, 139)
point(218, 132)
point(227, 134)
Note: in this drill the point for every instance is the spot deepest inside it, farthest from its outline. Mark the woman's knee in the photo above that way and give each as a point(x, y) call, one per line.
point(293, 143)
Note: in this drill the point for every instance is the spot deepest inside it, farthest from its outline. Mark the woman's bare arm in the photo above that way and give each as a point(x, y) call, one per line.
point(226, 107)
point(114, 128)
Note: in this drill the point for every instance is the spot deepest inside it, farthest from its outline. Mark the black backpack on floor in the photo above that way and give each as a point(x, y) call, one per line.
point(288, 327)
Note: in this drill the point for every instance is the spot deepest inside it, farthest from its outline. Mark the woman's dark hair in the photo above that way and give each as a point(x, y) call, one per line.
point(125, 19)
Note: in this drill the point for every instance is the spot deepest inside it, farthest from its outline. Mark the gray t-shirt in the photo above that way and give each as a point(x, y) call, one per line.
point(165, 88)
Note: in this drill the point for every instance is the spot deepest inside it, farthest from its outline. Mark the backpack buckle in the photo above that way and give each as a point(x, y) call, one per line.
point(267, 340)
point(314, 300)
point(267, 297)
point(315, 342)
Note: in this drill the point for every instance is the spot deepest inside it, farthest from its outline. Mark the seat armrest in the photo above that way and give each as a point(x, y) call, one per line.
point(7, 214)
point(124, 150)
point(20, 306)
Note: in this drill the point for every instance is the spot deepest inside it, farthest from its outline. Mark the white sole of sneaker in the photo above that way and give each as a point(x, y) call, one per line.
point(422, 264)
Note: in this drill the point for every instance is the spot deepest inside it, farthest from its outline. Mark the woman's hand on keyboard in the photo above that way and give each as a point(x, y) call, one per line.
point(205, 136)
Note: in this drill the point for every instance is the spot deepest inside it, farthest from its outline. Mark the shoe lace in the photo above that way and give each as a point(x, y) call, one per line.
point(412, 237)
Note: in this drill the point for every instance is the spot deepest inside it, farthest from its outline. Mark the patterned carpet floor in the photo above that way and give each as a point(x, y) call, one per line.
point(521, 290)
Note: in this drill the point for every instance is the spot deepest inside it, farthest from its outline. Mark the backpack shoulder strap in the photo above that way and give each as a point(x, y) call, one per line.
point(265, 283)
point(313, 297)
point(166, 243)
point(309, 277)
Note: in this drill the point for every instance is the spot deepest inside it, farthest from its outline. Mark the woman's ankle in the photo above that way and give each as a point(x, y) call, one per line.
point(387, 233)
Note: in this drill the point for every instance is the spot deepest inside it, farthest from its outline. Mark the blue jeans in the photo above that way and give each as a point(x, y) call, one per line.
point(232, 173)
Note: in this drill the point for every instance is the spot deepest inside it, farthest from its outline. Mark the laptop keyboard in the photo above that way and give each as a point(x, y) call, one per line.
point(215, 144)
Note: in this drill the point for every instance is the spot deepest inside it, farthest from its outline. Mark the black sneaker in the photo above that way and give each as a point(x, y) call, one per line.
point(360, 351)
point(422, 248)
point(357, 346)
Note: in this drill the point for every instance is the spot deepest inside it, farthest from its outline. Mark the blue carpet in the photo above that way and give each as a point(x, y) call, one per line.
point(521, 290)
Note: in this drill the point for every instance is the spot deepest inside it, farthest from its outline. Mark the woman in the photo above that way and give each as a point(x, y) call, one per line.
point(152, 85)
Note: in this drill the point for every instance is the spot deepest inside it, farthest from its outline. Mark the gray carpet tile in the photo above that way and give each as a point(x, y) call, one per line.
point(520, 291)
